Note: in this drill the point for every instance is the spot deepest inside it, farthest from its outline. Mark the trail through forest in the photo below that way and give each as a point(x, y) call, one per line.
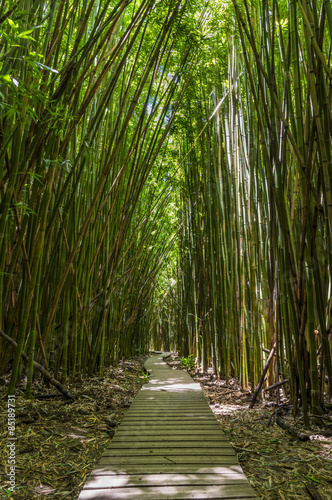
point(166, 184)
point(60, 442)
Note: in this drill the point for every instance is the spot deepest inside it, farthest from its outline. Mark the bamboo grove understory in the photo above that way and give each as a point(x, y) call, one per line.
point(166, 178)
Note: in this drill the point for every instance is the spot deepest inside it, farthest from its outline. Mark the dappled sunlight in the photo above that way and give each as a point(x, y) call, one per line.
point(172, 386)
point(167, 492)
point(162, 379)
point(204, 481)
point(226, 409)
point(234, 471)
point(107, 470)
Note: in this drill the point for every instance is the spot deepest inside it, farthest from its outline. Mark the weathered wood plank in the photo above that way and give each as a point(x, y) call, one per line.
point(170, 426)
point(155, 413)
point(170, 410)
point(152, 391)
point(199, 419)
point(179, 459)
point(147, 410)
point(168, 451)
point(179, 405)
point(151, 401)
point(176, 422)
point(201, 470)
point(178, 430)
point(181, 421)
point(125, 480)
point(160, 397)
point(170, 437)
point(168, 414)
point(147, 443)
point(170, 492)
point(157, 404)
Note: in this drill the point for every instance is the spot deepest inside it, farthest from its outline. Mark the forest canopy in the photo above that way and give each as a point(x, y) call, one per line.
point(165, 182)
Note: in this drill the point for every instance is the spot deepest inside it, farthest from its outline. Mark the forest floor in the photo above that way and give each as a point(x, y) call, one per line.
point(278, 466)
point(60, 441)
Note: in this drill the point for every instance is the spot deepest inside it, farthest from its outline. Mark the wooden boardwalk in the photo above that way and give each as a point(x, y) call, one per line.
point(168, 446)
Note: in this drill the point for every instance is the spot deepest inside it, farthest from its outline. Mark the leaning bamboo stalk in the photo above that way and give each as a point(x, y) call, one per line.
point(40, 368)
point(260, 383)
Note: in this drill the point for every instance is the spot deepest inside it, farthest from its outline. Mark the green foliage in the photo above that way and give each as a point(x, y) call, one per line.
point(254, 250)
point(188, 363)
point(165, 175)
point(89, 205)
point(144, 378)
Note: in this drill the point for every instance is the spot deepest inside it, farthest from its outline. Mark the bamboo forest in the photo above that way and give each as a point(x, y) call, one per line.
point(166, 186)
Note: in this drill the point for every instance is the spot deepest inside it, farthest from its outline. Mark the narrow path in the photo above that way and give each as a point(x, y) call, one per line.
point(168, 446)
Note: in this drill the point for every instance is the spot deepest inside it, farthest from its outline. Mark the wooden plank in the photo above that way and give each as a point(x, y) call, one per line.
point(186, 430)
point(164, 400)
point(170, 403)
point(162, 391)
point(160, 398)
point(177, 404)
point(170, 492)
point(165, 413)
point(161, 401)
point(176, 421)
point(186, 403)
point(165, 422)
point(169, 432)
point(168, 411)
point(147, 443)
point(126, 480)
point(180, 405)
point(157, 438)
point(179, 459)
point(222, 469)
point(171, 421)
point(169, 408)
point(165, 416)
point(156, 403)
point(181, 418)
point(169, 452)
point(164, 427)
point(188, 393)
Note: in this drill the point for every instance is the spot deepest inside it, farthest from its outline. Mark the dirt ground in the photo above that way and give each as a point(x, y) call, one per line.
point(60, 441)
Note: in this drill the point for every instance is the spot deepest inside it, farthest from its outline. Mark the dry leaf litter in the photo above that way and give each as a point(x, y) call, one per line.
point(59, 441)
